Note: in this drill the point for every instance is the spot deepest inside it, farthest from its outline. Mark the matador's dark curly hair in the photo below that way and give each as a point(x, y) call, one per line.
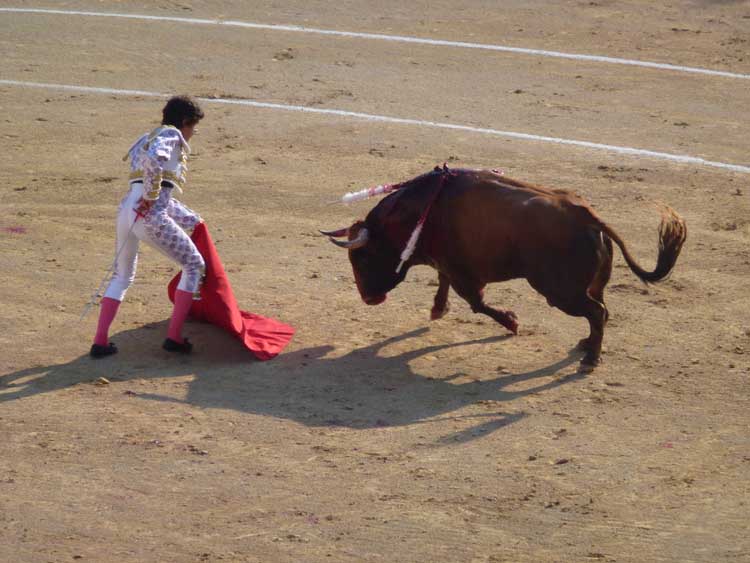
point(181, 110)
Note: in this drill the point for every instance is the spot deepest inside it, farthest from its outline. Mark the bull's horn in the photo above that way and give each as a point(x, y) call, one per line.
point(337, 233)
point(358, 242)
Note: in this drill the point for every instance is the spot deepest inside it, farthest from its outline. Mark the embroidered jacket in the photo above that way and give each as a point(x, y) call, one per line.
point(159, 155)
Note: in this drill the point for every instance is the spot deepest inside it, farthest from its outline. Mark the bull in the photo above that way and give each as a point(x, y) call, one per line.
point(481, 227)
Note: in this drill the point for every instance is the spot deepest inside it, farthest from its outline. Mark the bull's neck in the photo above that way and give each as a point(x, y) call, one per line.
point(410, 248)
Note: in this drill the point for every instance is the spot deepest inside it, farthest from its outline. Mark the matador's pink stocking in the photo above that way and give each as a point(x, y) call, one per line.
point(183, 300)
point(107, 312)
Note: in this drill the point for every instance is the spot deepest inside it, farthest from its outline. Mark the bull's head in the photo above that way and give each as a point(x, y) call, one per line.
point(375, 244)
point(374, 260)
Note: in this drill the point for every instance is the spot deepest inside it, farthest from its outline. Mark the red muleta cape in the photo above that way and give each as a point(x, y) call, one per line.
point(264, 337)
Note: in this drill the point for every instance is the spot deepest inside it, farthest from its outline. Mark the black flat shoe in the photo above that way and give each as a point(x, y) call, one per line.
point(98, 351)
point(172, 346)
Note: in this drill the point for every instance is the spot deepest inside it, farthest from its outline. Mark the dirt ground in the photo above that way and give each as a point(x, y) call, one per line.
point(378, 435)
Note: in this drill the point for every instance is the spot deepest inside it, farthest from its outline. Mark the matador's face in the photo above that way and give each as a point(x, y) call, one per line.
point(188, 130)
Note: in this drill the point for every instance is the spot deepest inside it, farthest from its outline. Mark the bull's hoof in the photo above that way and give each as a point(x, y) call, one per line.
point(511, 321)
point(590, 361)
point(436, 313)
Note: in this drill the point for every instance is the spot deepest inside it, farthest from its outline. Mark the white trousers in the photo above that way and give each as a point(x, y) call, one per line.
point(161, 228)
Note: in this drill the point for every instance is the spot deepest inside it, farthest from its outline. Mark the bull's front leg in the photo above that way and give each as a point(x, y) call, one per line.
point(473, 293)
point(441, 306)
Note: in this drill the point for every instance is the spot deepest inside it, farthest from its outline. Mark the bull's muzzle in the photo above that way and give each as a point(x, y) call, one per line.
point(374, 299)
point(359, 242)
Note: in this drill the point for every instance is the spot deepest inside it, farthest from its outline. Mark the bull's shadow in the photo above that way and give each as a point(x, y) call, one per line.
point(359, 390)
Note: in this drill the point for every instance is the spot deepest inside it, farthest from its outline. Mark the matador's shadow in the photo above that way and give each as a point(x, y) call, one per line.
point(360, 389)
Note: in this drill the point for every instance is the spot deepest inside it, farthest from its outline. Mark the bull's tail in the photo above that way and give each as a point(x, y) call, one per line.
point(672, 235)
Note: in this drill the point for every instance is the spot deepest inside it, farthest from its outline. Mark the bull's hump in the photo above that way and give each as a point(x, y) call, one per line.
point(535, 190)
point(517, 185)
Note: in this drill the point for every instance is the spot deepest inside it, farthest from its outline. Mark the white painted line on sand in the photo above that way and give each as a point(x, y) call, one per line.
point(383, 37)
point(684, 159)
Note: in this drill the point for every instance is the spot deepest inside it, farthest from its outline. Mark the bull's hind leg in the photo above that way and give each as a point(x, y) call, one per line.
point(596, 313)
point(596, 289)
point(603, 273)
point(580, 304)
point(473, 293)
point(441, 307)
point(576, 287)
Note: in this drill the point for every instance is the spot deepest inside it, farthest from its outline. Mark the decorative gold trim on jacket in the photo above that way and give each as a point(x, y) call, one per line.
point(153, 191)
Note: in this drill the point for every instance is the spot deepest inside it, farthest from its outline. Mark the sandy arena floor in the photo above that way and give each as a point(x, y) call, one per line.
point(378, 436)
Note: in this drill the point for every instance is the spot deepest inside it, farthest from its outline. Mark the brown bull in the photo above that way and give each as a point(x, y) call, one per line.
point(483, 227)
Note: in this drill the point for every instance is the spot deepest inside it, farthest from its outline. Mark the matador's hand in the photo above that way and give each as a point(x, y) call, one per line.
point(144, 206)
